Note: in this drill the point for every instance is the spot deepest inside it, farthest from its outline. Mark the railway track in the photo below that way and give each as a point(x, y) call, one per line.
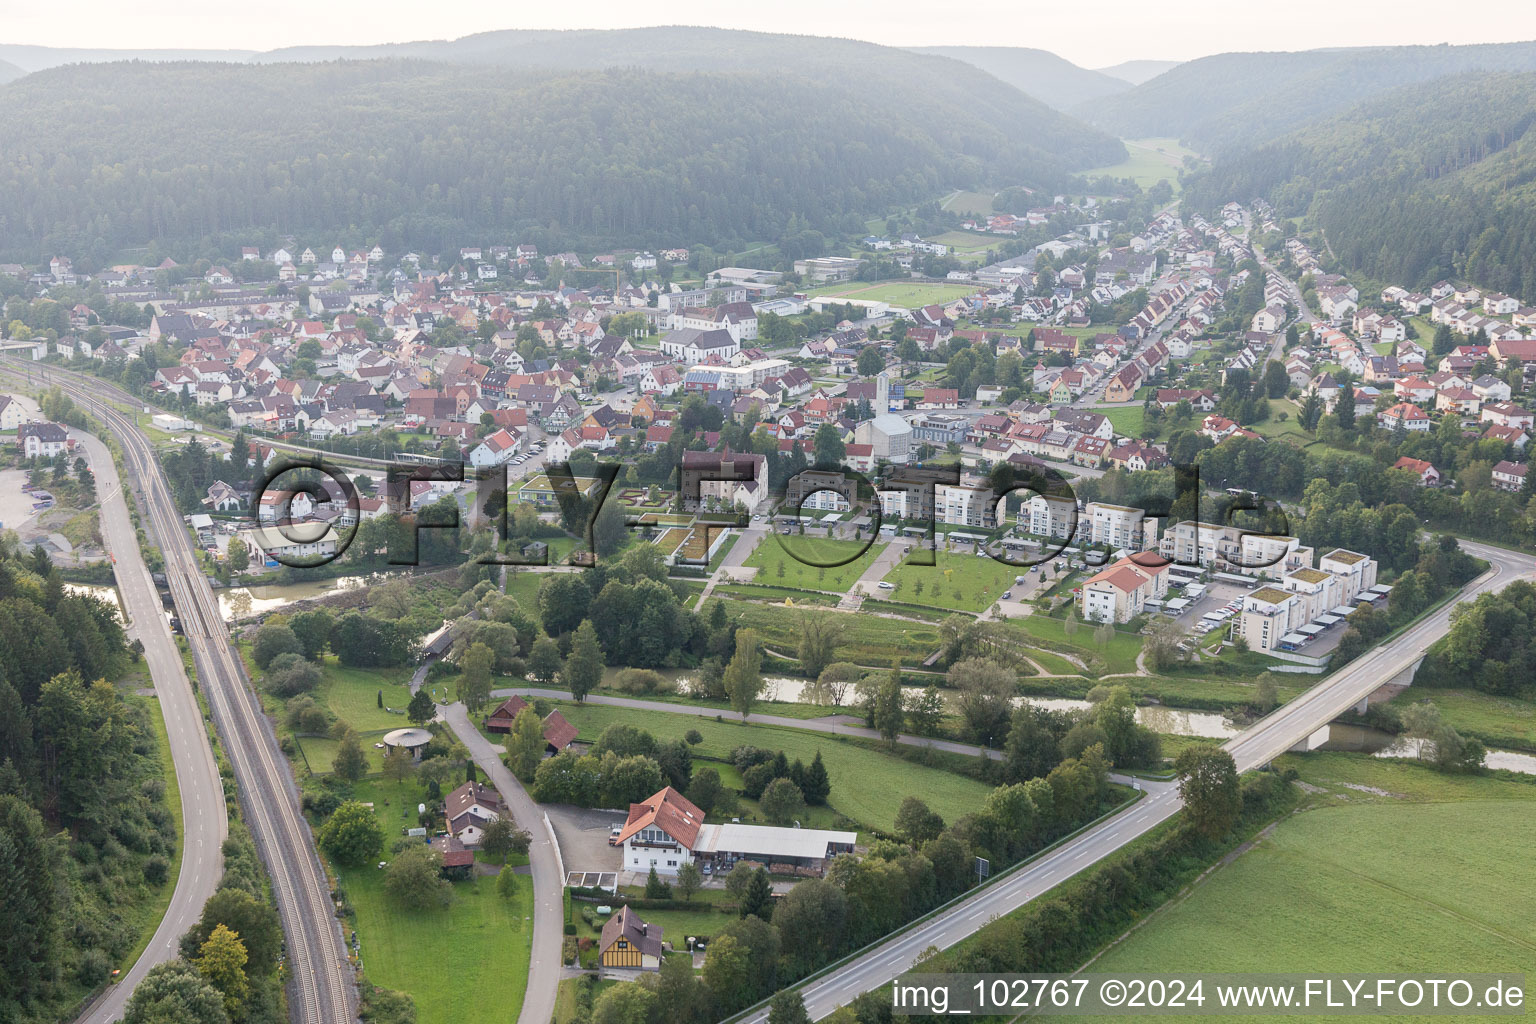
point(321, 980)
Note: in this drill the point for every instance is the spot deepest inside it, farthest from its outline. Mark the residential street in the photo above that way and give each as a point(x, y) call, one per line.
point(544, 861)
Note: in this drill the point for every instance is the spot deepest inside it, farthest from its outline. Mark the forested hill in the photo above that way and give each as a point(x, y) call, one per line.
point(9, 72)
point(1426, 182)
point(1039, 73)
point(431, 155)
point(1234, 101)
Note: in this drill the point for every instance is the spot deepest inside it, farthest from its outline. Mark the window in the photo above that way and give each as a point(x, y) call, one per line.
point(671, 863)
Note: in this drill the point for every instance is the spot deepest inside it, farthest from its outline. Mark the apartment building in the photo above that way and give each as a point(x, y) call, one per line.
point(1049, 516)
point(1304, 596)
point(1233, 549)
point(1119, 527)
point(1120, 591)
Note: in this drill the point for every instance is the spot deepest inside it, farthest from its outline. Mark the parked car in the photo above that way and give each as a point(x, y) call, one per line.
point(883, 585)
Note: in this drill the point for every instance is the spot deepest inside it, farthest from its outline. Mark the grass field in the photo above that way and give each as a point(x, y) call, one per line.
point(1128, 421)
point(353, 695)
point(1119, 655)
point(1276, 427)
point(1148, 161)
point(867, 639)
point(979, 203)
point(425, 952)
point(1497, 721)
point(319, 752)
point(867, 785)
point(1432, 877)
point(965, 241)
point(910, 294)
point(963, 582)
point(792, 553)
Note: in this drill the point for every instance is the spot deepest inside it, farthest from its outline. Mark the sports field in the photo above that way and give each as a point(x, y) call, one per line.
point(909, 295)
point(1409, 871)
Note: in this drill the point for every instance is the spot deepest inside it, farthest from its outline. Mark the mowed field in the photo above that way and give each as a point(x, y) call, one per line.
point(423, 952)
point(867, 785)
point(1433, 877)
point(963, 582)
point(979, 203)
point(866, 639)
point(1148, 162)
point(839, 563)
point(909, 295)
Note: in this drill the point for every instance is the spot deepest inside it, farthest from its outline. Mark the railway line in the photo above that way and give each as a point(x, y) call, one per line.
point(321, 980)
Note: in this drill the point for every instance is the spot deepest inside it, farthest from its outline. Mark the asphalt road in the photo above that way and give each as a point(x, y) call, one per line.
point(1258, 745)
point(204, 820)
point(544, 860)
point(321, 985)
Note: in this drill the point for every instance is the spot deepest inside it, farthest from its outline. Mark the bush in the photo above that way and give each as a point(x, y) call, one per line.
point(93, 969)
point(156, 870)
point(272, 640)
point(639, 680)
point(290, 675)
point(694, 737)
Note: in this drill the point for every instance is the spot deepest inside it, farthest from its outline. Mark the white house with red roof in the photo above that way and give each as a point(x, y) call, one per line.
point(1428, 475)
point(667, 830)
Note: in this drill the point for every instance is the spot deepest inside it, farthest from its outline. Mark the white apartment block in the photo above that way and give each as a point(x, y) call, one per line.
point(1119, 527)
point(966, 506)
point(1233, 549)
point(1120, 592)
point(1304, 595)
point(1050, 516)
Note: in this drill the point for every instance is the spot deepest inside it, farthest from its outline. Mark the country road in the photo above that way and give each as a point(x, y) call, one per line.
point(204, 820)
point(321, 988)
point(1256, 746)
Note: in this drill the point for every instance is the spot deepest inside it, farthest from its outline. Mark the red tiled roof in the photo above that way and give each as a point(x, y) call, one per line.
point(558, 732)
point(669, 811)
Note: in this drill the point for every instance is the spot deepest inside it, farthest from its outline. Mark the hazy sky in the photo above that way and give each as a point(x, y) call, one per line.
point(1093, 34)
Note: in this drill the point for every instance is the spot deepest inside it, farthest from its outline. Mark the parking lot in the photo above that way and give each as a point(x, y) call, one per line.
point(582, 833)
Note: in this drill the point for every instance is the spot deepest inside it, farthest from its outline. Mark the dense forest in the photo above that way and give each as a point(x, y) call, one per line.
point(431, 156)
point(1427, 182)
point(1230, 102)
point(1039, 73)
point(86, 838)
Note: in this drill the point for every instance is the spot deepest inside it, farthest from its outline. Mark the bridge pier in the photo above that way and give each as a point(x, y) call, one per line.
point(1312, 741)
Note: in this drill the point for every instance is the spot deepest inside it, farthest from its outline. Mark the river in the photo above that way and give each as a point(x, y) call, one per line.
point(1176, 721)
point(1365, 740)
point(243, 602)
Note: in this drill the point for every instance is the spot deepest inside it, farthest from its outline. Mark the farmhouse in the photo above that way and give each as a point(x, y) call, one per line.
point(666, 831)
